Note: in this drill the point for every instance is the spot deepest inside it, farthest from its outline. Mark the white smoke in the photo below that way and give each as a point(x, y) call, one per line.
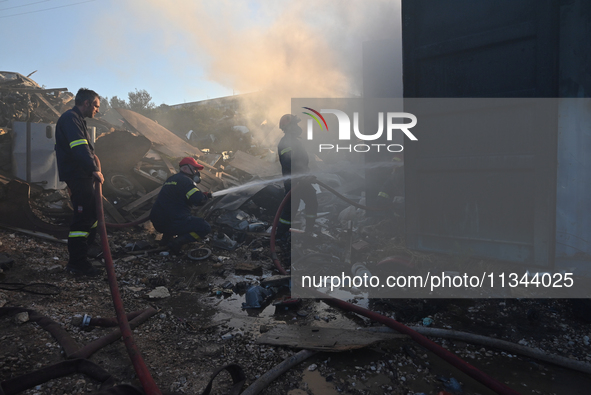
point(284, 49)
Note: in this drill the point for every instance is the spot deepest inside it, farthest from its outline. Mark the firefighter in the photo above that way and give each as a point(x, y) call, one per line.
point(78, 167)
point(391, 193)
point(294, 161)
point(171, 213)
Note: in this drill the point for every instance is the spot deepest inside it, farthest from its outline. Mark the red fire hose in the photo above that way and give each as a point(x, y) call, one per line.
point(446, 355)
point(139, 365)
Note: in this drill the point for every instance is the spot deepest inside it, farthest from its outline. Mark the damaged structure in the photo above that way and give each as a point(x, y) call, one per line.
point(234, 299)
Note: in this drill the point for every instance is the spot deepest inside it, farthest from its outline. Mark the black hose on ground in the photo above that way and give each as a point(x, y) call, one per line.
point(507, 346)
point(87, 320)
point(449, 357)
point(91, 348)
point(262, 382)
point(57, 331)
point(22, 383)
point(50, 289)
point(499, 344)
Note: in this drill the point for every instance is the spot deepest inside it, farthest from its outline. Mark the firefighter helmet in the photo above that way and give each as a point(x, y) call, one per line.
point(287, 120)
point(190, 161)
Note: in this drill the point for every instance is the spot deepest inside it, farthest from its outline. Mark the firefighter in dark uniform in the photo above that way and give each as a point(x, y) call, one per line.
point(391, 193)
point(171, 214)
point(294, 161)
point(78, 167)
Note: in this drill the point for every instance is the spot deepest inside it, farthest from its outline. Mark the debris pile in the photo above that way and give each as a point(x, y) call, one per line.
point(22, 99)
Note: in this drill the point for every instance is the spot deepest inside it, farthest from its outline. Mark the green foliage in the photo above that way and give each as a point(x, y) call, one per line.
point(140, 101)
point(115, 102)
point(204, 120)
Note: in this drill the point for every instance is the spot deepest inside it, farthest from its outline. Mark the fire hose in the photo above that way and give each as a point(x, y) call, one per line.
point(139, 365)
point(446, 355)
point(77, 357)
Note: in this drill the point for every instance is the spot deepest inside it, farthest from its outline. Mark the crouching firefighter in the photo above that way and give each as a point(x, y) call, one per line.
point(294, 162)
point(171, 214)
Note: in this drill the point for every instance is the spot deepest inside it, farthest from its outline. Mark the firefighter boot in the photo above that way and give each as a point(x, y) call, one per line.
point(310, 223)
point(166, 239)
point(176, 245)
point(94, 249)
point(78, 263)
point(283, 230)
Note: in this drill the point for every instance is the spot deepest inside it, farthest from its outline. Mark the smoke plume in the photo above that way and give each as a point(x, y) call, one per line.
point(280, 49)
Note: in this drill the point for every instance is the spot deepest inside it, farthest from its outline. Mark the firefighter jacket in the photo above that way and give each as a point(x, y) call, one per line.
point(292, 155)
point(394, 184)
point(176, 197)
point(73, 147)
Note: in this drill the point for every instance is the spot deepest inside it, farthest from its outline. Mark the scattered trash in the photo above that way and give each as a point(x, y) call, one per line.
point(451, 384)
point(199, 254)
point(159, 293)
point(224, 289)
point(239, 220)
point(427, 321)
point(138, 246)
point(236, 219)
point(248, 268)
point(221, 240)
point(312, 367)
point(256, 296)
point(360, 245)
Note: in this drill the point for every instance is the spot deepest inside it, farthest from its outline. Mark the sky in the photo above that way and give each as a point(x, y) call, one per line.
point(191, 50)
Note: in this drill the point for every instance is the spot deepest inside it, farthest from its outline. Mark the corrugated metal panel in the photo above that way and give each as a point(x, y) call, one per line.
point(573, 222)
point(490, 194)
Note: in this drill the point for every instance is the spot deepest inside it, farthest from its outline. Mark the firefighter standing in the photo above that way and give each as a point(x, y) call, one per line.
point(294, 161)
point(391, 193)
point(78, 167)
point(171, 214)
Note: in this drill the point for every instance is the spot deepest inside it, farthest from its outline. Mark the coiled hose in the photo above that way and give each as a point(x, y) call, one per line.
point(446, 355)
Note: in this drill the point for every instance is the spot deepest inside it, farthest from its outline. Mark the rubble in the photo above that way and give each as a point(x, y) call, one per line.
point(159, 293)
point(23, 100)
point(174, 341)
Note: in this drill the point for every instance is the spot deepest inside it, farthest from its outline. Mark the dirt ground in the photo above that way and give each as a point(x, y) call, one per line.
point(195, 330)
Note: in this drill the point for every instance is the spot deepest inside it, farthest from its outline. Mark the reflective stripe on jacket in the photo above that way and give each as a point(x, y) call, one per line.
point(73, 147)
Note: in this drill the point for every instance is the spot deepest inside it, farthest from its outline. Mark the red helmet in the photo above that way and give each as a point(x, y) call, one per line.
point(190, 161)
point(287, 120)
